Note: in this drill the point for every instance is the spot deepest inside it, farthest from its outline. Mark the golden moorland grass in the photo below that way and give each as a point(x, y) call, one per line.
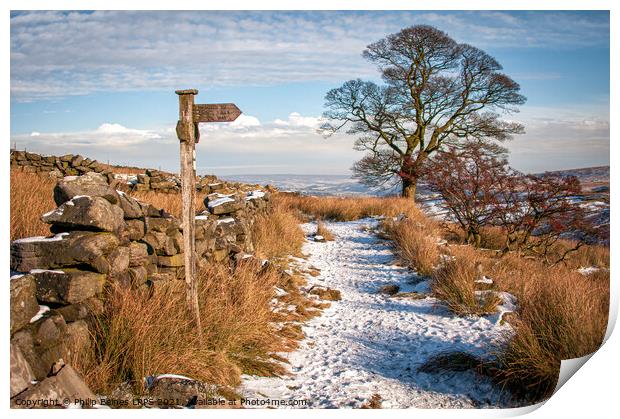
point(415, 243)
point(345, 209)
point(562, 314)
point(133, 340)
point(277, 234)
point(31, 196)
point(454, 282)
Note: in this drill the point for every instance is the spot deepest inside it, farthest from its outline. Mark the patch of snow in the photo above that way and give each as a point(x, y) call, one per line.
point(508, 304)
point(226, 220)
point(366, 343)
point(589, 270)
point(255, 195)
point(180, 377)
point(484, 280)
point(57, 211)
point(40, 271)
point(36, 239)
point(81, 196)
point(127, 178)
point(280, 292)
point(319, 238)
point(16, 276)
point(42, 311)
point(201, 217)
point(219, 201)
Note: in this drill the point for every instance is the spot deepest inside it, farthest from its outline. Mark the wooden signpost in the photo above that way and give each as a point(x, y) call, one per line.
point(190, 115)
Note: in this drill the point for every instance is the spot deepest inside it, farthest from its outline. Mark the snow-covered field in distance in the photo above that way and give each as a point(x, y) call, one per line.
point(317, 185)
point(345, 185)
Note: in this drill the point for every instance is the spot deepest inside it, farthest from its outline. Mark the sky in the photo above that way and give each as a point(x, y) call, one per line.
point(102, 84)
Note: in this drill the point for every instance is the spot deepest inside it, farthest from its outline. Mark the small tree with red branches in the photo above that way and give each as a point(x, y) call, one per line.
point(478, 188)
point(467, 178)
point(537, 210)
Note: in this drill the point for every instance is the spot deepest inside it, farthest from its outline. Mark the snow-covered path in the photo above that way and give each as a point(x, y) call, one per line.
point(370, 343)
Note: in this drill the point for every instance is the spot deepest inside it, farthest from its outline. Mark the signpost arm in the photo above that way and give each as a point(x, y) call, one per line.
point(186, 134)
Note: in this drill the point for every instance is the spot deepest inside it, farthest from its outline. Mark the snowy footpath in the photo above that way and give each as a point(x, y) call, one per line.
point(369, 343)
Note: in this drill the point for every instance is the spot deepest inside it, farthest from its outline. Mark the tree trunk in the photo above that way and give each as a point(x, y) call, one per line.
point(409, 188)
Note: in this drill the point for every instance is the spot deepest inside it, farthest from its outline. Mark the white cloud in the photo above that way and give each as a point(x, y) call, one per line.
point(107, 136)
point(244, 121)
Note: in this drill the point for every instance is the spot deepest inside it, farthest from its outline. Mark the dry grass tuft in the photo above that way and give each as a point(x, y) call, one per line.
point(121, 170)
point(170, 202)
point(345, 209)
point(326, 294)
point(32, 195)
point(491, 237)
point(321, 230)
point(451, 361)
point(454, 283)
point(238, 336)
point(277, 234)
point(374, 402)
point(585, 256)
point(415, 244)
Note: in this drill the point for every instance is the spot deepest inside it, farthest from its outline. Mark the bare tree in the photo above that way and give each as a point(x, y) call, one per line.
point(436, 91)
point(537, 210)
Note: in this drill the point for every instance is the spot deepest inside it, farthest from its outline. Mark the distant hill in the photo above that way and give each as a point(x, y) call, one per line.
point(598, 174)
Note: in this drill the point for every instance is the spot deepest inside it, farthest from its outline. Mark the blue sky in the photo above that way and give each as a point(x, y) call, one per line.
point(102, 83)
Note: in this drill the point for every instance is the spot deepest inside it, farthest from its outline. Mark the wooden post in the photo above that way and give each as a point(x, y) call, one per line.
point(186, 133)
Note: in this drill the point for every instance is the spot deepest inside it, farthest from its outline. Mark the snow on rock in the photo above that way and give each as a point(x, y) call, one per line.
point(42, 311)
point(127, 178)
point(367, 343)
point(57, 237)
point(508, 304)
point(219, 201)
point(180, 377)
point(255, 195)
point(40, 271)
point(484, 280)
point(226, 220)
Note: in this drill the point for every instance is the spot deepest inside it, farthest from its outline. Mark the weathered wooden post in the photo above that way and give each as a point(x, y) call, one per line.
point(186, 133)
point(190, 115)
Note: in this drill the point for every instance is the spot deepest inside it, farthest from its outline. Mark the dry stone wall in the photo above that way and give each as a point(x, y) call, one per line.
point(102, 235)
point(75, 165)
